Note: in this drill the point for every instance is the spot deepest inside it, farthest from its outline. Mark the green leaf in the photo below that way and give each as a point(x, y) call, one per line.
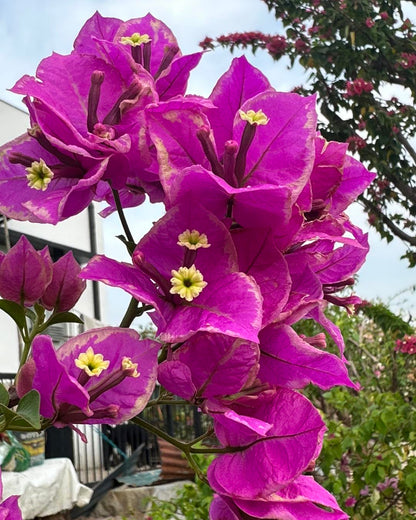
point(15, 311)
point(375, 497)
point(11, 421)
point(4, 396)
point(26, 417)
point(64, 317)
point(411, 480)
point(28, 408)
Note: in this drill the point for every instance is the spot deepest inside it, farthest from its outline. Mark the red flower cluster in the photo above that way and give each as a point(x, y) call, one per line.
point(302, 46)
point(407, 345)
point(276, 46)
point(244, 39)
point(207, 43)
point(407, 60)
point(357, 87)
point(355, 143)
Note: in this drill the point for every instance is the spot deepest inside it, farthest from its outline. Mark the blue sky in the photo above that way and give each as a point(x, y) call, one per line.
point(31, 30)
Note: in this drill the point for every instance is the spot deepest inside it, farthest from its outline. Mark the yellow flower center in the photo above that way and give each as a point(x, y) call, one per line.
point(254, 118)
point(193, 239)
point(93, 364)
point(127, 364)
point(135, 40)
point(39, 175)
point(187, 282)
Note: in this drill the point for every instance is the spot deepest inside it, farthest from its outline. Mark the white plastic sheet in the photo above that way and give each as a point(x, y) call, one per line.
point(46, 489)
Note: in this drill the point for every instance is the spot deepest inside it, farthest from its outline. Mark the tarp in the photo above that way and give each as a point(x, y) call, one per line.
point(46, 489)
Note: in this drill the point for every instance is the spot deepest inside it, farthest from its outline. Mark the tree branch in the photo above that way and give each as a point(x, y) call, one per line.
point(411, 240)
point(392, 503)
point(402, 185)
point(409, 148)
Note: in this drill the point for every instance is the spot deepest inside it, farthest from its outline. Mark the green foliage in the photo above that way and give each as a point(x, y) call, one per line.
point(387, 320)
point(339, 43)
point(368, 459)
point(15, 311)
point(26, 417)
point(192, 501)
point(63, 317)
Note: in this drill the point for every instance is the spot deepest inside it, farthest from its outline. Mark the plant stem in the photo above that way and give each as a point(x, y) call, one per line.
point(28, 338)
point(130, 314)
point(228, 449)
point(392, 503)
point(201, 437)
point(160, 433)
point(122, 217)
point(155, 402)
point(180, 445)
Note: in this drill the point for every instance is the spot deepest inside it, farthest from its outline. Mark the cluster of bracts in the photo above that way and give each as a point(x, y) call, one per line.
point(255, 238)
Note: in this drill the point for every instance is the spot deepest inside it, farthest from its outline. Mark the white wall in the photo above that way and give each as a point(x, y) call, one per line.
point(13, 122)
point(9, 344)
point(73, 232)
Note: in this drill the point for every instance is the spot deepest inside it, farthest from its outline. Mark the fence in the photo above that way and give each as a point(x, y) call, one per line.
point(108, 446)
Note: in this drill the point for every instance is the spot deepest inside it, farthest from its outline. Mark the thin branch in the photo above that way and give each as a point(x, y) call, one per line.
point(405, 188)
point(159, 433)
point(6, 233)
point(130, 313)
point(362, 348)
point(409, 148)
point(391, 225)
point(392, 503)
point(157, 402)
point(122, 217)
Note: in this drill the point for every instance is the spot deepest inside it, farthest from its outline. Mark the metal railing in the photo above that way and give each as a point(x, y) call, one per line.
point(109, 446)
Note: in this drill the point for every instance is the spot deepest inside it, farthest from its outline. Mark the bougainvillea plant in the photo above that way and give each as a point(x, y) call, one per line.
point(359, 57)
point(254, 240)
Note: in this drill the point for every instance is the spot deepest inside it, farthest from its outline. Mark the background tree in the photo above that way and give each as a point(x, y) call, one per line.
point(360, 56)
point(368, 460)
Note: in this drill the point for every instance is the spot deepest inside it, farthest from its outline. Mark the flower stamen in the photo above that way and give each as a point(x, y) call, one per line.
point(135, 40)
point(129, 368)
point(187, 282)
point(140, 48)
point(193, 239)
point(254, 118)
point(92, 364)
point(39, 175)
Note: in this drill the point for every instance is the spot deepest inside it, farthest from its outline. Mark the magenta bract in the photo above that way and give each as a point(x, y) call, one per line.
point(241, 82)
point(289, 361)
point(65, 287)
point(159, 53)
point(24, 273)
point(88, 124)
point(278, 434)
point(71, 395)
point(210, 365)
point(229, 303)
point(302, 499)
